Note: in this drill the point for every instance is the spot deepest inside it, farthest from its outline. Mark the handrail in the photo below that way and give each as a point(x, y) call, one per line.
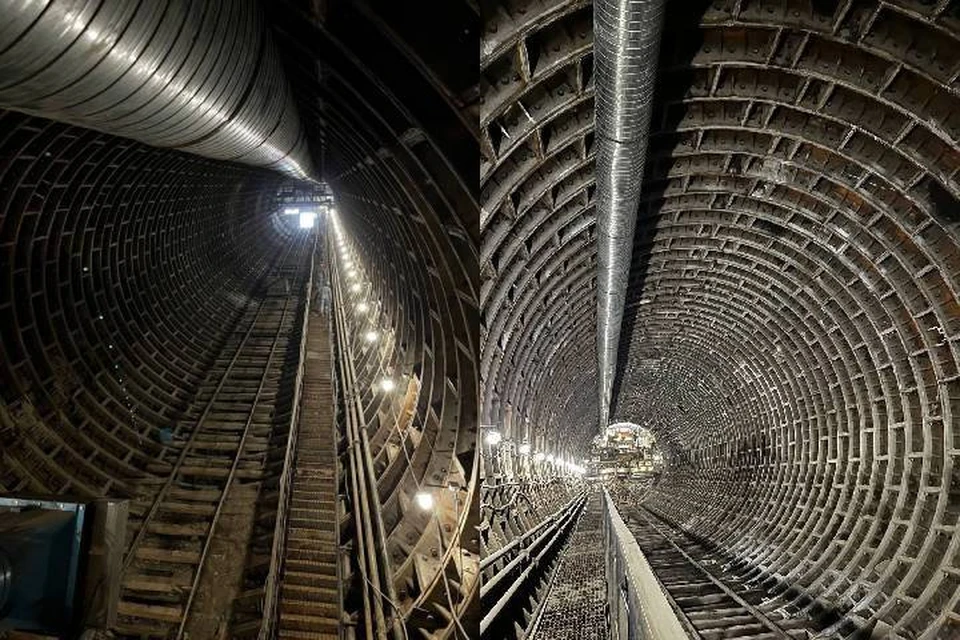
point(272, 586)
point(648, 613)
point(559, 524)
point(329, 255)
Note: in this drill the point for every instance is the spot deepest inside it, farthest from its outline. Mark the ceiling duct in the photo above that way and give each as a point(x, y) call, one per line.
point(626, 45)
point(201, 77)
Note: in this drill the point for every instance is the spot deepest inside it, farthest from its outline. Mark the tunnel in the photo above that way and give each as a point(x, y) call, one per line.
point(789, 328)
point(498, 319)
point(288, 461)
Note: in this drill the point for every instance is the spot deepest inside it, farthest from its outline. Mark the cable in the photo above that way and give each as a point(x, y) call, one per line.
point(363, 574)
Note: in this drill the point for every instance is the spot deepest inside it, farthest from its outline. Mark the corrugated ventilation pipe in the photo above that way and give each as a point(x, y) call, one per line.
point(626, 45)
point(199, 76)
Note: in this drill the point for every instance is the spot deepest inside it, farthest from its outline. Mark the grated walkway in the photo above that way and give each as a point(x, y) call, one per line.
point(576, 607)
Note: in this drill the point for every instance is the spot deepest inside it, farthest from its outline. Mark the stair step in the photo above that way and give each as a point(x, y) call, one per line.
point(301, 622)
point(311, 579)
point(313, 524)
point(326, 555)
point(303, 565)
point(310, 593)
point(326, 534)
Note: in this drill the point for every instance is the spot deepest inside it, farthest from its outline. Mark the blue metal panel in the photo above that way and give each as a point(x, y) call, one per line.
point(41, 540)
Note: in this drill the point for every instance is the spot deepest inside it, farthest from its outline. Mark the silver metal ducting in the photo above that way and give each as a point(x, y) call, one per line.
point(199, 76)
point(626, 46)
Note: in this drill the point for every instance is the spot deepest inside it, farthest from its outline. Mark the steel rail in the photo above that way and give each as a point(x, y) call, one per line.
point(554, 532)
point(550, 524)
point(328, 259)
point(233, 469)
point(161, 495)
point(756, 613)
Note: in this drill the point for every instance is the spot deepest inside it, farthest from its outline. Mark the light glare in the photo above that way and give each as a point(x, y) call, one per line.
point(307, 220)
point(424, 500)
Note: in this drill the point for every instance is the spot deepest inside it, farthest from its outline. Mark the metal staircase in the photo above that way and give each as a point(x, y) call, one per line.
point(310, 593)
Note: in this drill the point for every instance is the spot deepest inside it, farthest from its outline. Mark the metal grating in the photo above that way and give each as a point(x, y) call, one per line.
point(576, 606)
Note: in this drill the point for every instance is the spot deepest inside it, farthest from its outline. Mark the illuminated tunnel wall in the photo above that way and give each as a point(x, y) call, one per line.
point(792, 330)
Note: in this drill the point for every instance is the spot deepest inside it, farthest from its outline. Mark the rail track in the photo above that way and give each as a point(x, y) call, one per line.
point(204, 501)
point(517, 575)
point(712, 602)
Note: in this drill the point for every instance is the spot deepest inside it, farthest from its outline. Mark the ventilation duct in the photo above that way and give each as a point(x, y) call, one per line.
point(200, 76)
point(626, 44)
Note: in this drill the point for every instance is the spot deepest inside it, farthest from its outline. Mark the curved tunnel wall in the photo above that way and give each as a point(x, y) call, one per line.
point(175, 243)
point(123, 267)
point(400, 157)
point(792, 320)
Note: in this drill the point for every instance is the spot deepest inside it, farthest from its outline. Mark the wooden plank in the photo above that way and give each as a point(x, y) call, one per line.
point(168, 555)
point(151, 611)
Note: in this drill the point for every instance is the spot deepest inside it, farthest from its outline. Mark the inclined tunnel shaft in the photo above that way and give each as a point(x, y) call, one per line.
point(170, 331)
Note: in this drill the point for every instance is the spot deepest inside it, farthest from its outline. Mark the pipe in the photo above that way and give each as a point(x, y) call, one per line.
point(197, 76)
point(626, 45)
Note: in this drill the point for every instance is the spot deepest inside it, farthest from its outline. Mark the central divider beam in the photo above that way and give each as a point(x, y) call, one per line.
point(639, 608)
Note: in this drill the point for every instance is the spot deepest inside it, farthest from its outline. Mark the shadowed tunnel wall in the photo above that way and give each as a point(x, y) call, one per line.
point(125, 267)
